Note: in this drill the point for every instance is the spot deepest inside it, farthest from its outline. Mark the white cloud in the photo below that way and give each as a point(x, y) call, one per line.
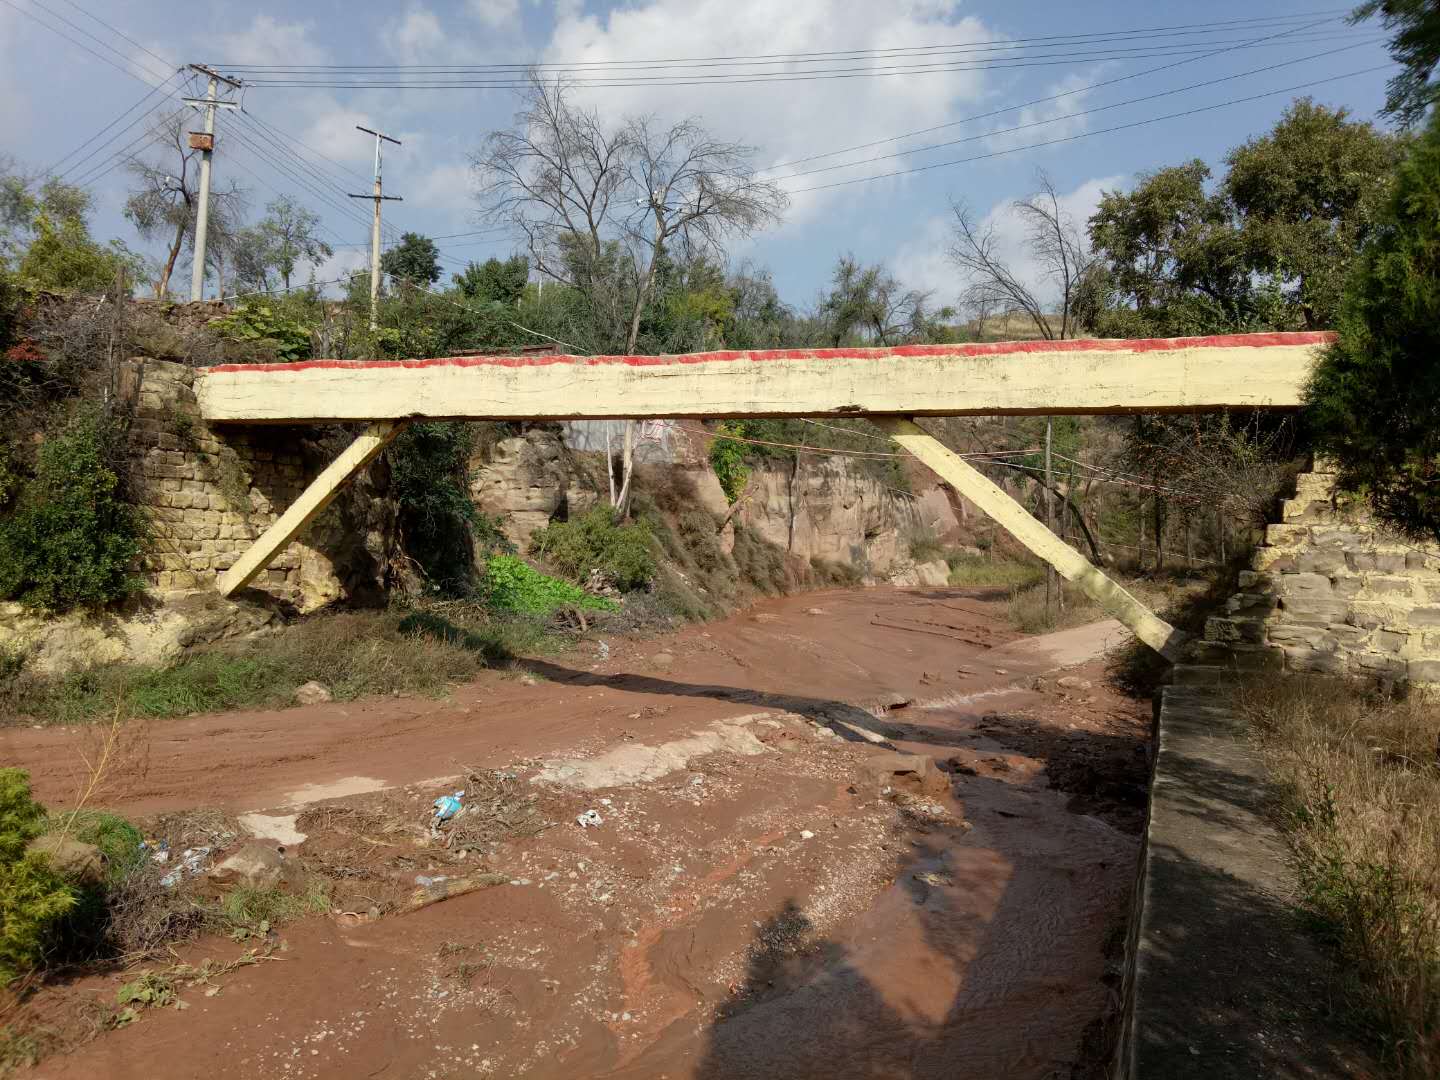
point(1049, 119)
point(268, 40)
point(444, 187)
point(496, 14)
point(416, 37)
point(922, 262)
point(785, 120)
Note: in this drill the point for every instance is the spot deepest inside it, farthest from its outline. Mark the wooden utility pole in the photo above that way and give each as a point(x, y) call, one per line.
point(379, 197)
point(204, 141)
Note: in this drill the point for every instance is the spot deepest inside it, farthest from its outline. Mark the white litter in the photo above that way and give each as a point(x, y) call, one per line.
point(590, 819)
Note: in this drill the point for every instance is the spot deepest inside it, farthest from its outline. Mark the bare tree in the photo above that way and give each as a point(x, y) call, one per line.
point(601, 206)
point(1053, 239)
point(166, 197)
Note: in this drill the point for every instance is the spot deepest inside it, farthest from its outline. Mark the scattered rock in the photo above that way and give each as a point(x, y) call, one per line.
point(312, 693)
point(814, 611)
point(663, 660)
point(71, 858)
point(1073, 682)
point(916, 771)
point(806, 834)
point(256, 865)
point(1001, 671)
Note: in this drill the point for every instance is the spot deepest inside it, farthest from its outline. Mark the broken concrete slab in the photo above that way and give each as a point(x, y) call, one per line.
point(637, 763)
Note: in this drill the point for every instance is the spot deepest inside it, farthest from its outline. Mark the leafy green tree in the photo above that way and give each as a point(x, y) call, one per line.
point(63, 258)
point(1264, 249)
point(1415, 47)
point(415, 259)
point(1306, 196)
point(289, 233)
point(494, 280)
point(1373, 402)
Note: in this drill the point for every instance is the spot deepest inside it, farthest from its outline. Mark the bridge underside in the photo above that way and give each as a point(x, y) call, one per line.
point(1264, 371)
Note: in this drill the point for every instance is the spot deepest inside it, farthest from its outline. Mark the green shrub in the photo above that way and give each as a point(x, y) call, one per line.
point(727, 458)
point(270, 330)
point(513, 585)
point(118, 840)
point(441, 525)
point(1370, 403)
point(32, 896)
point(926, 547)
point(597, 540)
point(984, 570)
point(72, 540)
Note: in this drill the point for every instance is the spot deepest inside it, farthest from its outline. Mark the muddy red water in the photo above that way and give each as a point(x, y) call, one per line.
point(760, 910)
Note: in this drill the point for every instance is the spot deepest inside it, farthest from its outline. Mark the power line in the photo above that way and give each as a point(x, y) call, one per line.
point(1037, 101)
point(121, 33)
point(305, 146)
point(801, 57)
point(281, 161)
point(281, 169)
point(1075, 115)
point(78, 44)
point(640, 82)
point(1090, 134)
point(81, 30)
point(89, 144)
point(95, 171)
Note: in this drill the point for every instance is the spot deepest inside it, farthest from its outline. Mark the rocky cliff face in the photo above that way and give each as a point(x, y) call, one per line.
point(827, 508)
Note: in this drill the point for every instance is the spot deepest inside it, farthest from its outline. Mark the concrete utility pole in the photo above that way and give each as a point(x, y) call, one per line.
point(204, 141)
point(375, 226)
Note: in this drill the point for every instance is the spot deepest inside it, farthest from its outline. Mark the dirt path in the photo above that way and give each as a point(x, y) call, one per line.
point(768, 910)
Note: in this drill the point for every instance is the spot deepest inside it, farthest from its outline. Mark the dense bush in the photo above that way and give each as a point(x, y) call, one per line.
point(727, 458)
point(1372, 401)
point(32, 896)
point(513, 585)
point(597, 540)
point(72, 539)
point(440, 523)
point(267, 329)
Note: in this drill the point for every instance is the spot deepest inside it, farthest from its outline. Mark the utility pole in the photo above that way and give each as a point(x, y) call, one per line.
point(1050, 582)
point(375, 226)
point(204, 141)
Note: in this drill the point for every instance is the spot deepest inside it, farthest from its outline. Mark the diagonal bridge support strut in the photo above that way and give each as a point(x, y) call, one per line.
point(312, 501)
point(1068, 563)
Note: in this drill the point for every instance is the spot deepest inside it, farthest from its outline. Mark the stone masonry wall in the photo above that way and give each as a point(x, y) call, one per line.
point(210, 494)
point(1333, 593)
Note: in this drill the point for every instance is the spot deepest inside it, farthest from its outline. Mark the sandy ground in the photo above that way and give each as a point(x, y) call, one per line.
point(767, 909)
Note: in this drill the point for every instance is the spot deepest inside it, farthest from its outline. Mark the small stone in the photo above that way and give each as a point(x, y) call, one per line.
point(1073, 682)
point(806, 834)
point(1001, 671)
point(312, 693)
point(663, 660)
point(71, 858)
point(256, 865)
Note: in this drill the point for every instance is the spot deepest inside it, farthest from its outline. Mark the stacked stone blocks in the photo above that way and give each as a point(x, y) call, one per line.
point(1331, 592)
point(208, 497)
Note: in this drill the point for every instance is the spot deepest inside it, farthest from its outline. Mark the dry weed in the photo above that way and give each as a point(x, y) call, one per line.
point(1360, 782)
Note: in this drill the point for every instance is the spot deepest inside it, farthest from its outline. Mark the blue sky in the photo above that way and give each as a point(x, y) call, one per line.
point(55, 97)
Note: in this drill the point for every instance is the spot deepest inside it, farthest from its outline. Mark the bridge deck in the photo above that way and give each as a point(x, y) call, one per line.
point(1031, 377)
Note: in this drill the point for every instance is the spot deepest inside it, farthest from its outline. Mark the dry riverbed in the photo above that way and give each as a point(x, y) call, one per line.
point(768, 892)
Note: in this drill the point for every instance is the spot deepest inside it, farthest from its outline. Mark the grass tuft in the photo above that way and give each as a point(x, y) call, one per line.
point(1359, 782)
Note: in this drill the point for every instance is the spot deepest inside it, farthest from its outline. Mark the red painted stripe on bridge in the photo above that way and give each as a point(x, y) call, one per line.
point(998, 348)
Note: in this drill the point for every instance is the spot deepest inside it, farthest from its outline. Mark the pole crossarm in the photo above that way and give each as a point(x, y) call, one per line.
point(1240, 371)
point(1068, 563)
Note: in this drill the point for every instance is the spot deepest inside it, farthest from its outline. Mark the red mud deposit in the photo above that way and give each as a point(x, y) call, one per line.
point(764, 911)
